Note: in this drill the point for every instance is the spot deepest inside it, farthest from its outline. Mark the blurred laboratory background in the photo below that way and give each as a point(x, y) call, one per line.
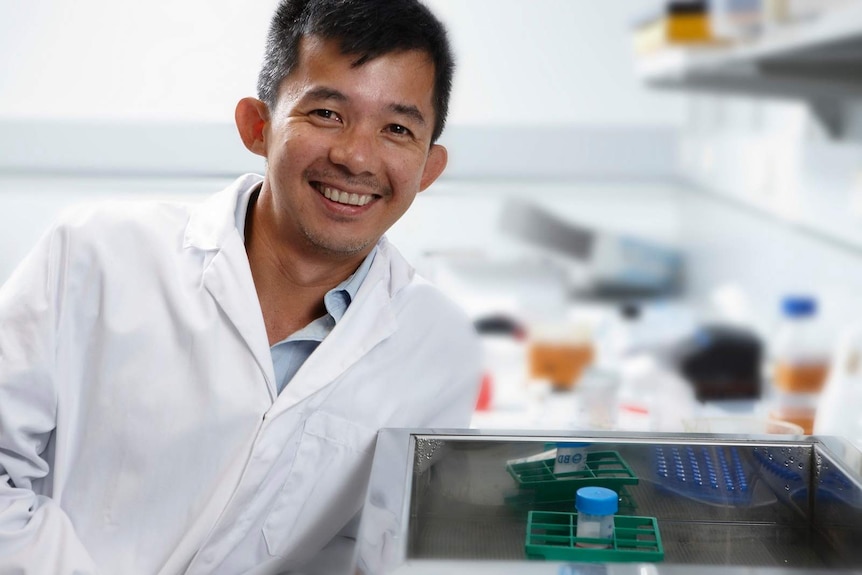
point(652, 212)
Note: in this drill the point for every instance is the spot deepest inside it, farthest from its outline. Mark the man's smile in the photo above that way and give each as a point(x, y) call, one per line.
point(342, 197)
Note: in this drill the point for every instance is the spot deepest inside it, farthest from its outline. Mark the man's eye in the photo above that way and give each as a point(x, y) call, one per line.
point(327, 114)
point(399, 130)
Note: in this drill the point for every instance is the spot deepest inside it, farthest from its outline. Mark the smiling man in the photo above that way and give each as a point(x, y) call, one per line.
point(349, 144)
point(198, 388)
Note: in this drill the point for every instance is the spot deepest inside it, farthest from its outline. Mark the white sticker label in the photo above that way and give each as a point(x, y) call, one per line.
point(570, 459)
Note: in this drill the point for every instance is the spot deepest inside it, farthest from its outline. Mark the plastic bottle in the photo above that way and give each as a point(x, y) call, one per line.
point(652, 396)
point(596, 508)
point(800, 363)
point(837, 408)
point(620, 361)
point(623, 336)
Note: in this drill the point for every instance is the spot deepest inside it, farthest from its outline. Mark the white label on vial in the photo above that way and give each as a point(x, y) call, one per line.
point(570, 459)
point(595, 527)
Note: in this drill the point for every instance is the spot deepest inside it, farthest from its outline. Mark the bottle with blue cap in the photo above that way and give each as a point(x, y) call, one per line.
point(800, 361)
point(596, 507)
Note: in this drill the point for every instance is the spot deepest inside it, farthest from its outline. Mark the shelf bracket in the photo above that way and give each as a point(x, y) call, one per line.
point(830, 114)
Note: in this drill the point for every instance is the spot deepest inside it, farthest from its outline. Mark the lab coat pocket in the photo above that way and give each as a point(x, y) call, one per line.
point(325, 487)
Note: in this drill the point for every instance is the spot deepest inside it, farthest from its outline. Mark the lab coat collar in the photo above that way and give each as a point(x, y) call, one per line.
point(215, 219)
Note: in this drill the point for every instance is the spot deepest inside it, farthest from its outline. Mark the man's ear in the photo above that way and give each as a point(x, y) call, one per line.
point(251, 118)
point(434, 165)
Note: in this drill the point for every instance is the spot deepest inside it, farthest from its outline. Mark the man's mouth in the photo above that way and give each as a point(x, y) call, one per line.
point(342, 197)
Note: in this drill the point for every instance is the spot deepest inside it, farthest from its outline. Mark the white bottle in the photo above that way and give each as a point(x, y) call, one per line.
point(838, 410)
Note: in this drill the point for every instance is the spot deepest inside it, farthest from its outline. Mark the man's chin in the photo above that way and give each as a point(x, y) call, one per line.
point(340, 248)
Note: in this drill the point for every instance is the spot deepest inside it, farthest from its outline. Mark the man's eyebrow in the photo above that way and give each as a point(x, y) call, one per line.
point(324, 93)
point(408, 110)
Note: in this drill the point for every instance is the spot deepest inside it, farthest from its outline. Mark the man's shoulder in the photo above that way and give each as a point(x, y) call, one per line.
point(412, 293)
point(122, 216)
point(435, 313)
point(155, 215)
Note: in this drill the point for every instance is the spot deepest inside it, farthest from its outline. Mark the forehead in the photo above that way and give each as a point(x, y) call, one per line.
point(401, 77)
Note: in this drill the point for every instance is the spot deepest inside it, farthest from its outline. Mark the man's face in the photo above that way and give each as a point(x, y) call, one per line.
point(348, 147)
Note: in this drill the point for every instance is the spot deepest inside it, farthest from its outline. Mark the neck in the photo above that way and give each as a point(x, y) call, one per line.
point(290, 281)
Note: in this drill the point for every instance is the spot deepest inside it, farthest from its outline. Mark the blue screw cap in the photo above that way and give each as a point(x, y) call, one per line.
point(799, 306)
point(597, 501)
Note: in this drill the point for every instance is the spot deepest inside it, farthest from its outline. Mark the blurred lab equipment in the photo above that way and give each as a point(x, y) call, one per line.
point(559, 353)
point(612, 265)
point(504, 345)
point(621, 335)
point(721, 362)
point(500, 324)
point(652, 396)
point(673, 23)
point(491, 289)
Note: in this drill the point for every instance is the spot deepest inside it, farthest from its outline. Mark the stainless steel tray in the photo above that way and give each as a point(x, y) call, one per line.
point(443, 502)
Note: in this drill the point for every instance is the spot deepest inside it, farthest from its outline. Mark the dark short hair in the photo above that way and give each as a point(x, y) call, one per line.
point(366, 28)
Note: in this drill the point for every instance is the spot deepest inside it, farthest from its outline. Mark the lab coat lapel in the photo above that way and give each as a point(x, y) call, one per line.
point(368, 321)
point(228, 279)
point(226, 273)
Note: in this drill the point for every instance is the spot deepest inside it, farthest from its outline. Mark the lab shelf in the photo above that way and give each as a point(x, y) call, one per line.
point(817, 60)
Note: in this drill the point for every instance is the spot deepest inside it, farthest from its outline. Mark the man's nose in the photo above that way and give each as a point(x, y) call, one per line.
point(355, 148)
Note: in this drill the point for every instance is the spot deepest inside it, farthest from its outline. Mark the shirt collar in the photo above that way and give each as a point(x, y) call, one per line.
point(338, 298)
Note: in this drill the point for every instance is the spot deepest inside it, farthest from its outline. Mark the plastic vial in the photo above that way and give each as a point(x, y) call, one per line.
point(596, 507)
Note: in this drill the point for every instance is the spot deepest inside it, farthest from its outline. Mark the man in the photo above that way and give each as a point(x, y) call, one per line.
point(197, 389)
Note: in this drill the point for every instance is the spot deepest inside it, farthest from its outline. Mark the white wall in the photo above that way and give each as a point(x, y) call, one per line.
point(734, 249)
point(122, 59)
point(777, 206)
point(549, 62)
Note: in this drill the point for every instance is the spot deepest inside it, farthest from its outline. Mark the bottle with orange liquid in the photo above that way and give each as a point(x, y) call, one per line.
point(800, 363)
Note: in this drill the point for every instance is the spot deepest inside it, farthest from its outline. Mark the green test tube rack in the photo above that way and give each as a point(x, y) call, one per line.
point(552, 536)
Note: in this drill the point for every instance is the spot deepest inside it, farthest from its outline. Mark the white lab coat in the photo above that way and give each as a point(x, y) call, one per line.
point(139, 422)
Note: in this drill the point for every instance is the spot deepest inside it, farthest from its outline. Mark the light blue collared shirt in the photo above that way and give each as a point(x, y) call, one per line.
point(289, 354)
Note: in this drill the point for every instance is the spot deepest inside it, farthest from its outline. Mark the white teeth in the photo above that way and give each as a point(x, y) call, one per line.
point(345, 197)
